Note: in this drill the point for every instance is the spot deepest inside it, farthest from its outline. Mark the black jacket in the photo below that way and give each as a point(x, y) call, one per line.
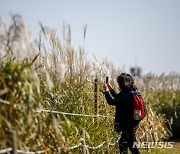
point(123, 102)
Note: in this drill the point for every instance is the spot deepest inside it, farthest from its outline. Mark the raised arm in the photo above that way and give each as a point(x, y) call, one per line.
point(120, 100)
point(112, 91)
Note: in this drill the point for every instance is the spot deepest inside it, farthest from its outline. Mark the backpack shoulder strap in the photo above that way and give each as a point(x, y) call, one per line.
point(136, 92)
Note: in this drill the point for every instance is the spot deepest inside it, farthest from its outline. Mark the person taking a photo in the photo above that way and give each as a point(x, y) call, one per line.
point(124, 120)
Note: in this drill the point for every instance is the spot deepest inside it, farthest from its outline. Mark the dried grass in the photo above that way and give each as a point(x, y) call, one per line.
point(59, 77)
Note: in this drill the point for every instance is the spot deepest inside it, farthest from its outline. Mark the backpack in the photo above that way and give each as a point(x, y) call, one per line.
point(139, 109)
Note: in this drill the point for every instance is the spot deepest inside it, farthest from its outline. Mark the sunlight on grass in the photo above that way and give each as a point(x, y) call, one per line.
point(47, 74)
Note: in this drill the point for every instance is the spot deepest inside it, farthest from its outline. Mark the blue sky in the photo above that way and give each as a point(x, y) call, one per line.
point(118, 29)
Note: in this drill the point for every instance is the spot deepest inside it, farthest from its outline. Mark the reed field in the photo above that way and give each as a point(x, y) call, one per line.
point(48, 96)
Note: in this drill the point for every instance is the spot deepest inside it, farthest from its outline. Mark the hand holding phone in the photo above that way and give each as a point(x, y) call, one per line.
point(108, 84)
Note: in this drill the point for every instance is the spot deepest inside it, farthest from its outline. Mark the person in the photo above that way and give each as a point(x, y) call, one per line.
point(124, 121)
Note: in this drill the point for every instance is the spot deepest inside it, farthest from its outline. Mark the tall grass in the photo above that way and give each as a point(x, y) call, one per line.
point(51, 74)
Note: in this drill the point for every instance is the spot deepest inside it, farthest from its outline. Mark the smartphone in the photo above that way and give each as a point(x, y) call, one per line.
point(107, 79)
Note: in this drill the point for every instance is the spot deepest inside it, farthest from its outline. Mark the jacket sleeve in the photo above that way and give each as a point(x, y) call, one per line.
point(113, 93)
point(120, 100)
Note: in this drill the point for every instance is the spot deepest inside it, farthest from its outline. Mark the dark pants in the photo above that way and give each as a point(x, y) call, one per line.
point(127, 139)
